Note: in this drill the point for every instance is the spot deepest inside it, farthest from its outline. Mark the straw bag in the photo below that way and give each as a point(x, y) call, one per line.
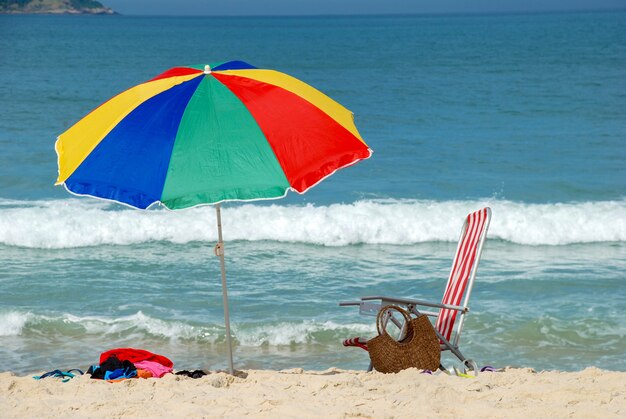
point(419, 348)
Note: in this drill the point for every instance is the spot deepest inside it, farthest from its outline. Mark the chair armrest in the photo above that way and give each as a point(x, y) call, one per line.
point(365, 309)
point(415, 302)
point(349, 303)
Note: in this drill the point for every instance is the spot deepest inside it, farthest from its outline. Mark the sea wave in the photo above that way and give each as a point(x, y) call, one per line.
point(69, 223)
point(297, 332)
point(140, 326)
point(14, 323)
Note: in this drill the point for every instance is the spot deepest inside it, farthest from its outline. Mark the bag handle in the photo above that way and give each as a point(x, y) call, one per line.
point(381, 313)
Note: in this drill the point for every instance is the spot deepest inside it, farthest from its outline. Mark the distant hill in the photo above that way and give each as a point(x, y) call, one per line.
point(54, 7)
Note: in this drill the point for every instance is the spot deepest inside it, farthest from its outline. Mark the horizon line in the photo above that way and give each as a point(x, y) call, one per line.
point(326, 15)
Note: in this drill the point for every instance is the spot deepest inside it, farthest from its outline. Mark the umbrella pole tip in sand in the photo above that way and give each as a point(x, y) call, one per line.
point(219, 251)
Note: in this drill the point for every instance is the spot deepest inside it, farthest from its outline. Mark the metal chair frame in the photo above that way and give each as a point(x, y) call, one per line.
point(367, 307)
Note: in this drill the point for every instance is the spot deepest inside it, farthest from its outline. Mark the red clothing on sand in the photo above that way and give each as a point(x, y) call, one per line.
point(136, 355)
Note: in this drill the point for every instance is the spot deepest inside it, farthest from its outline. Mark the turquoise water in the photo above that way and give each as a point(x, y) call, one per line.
point(524, 113)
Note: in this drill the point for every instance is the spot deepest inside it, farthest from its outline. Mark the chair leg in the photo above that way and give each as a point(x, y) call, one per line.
point(468, 364)
point(457, 353)
point(472, 365)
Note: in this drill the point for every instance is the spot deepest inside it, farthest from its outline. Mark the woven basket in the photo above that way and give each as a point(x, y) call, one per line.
point(419, 348)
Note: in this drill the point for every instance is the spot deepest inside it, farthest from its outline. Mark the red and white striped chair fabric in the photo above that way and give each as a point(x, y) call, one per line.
point(461, 270)
point(461, 275)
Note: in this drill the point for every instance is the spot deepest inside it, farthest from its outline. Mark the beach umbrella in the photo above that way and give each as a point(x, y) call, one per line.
point(207, 134)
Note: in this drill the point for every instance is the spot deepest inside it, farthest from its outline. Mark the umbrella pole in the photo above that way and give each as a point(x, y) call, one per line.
point(219, 251)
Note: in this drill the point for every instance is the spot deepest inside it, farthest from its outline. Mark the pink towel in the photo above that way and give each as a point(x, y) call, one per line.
point(156, 369)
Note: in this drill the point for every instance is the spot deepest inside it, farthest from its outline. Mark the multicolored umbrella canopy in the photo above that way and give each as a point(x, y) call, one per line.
point(206, 134)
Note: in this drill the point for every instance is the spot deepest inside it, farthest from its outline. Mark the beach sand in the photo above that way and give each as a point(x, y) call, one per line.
point(592, 393)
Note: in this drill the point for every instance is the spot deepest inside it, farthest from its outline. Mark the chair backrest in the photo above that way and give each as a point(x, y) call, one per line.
point(463, 271)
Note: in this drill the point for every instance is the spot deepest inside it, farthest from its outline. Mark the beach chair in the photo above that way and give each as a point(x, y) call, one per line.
point(454, 305)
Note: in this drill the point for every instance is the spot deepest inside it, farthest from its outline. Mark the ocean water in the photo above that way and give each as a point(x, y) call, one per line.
point(523, 113)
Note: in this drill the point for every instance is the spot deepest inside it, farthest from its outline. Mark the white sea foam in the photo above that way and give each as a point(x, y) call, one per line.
point(12, 323)
point(286, 333)
point(140, 325)
point(15, 323)
point(82, 222)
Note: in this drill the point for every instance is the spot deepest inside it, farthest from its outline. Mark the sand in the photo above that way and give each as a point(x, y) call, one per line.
point(592, 393)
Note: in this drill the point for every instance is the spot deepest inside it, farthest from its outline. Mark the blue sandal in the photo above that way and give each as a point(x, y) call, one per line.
point(67, 376)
